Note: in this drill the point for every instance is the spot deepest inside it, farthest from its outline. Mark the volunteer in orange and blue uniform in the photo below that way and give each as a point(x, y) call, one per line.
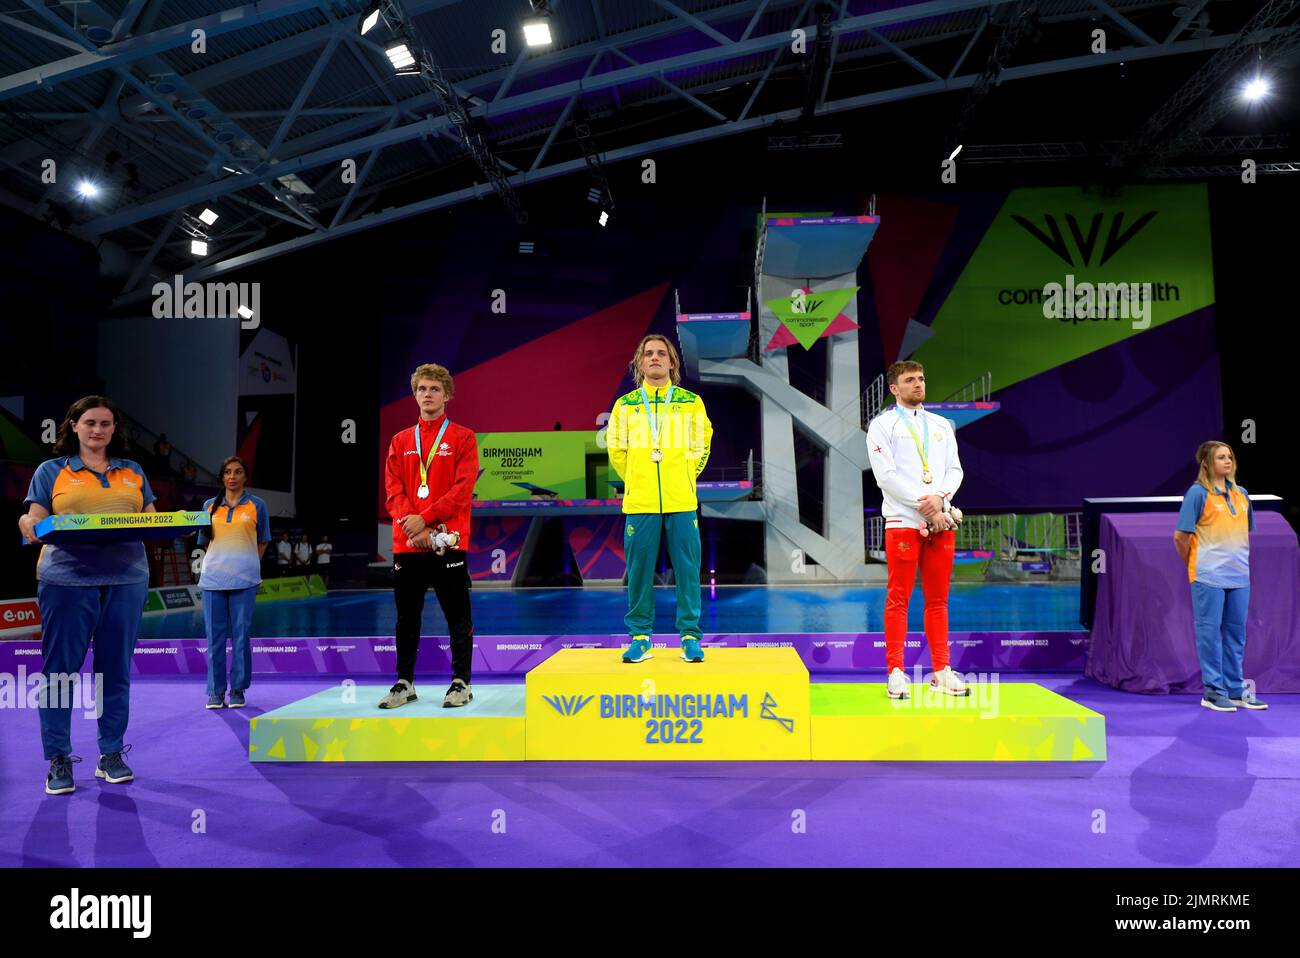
point(1213, 537)
point(658, 439)
point(88, 591)
point(231, 574)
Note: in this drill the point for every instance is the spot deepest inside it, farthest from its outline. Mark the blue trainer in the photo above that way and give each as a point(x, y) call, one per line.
point(1247, 700)
point(216, 702)
point(691, 650)
point(112, 769)
point(639, 650)
point(236, 699)
point(1217, 702)
point(59, 781)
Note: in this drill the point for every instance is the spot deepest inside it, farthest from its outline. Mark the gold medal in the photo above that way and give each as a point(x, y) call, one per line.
point(656, 455)
point(927, 477)
point(423, 491)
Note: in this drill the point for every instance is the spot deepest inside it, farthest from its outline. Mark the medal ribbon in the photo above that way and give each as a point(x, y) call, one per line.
point(424, 466)
point(924, 453)
point(654, 418)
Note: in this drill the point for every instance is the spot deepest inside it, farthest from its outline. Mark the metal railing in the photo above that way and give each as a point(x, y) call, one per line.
point(141, 439)
point(1008, 536)
point(977, 390)
point(873, 400)
point(751, 472)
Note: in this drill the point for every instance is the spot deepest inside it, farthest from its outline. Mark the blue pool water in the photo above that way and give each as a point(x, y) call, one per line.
point(973, 607)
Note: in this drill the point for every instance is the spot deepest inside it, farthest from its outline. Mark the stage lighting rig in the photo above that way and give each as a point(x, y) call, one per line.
point(472, 137)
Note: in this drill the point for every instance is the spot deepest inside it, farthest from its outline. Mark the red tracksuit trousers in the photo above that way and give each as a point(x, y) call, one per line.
point(905, 550)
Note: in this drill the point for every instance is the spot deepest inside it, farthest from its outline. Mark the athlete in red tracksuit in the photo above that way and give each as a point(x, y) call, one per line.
point(429, 490)
point(913, 456)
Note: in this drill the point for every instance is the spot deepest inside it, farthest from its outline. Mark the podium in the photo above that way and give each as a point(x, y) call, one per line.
point(749, 704)
point(343, 724)
point(736, 705)
point(997, 722)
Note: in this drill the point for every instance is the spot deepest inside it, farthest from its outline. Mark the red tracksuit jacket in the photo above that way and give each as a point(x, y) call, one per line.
point(452, 475)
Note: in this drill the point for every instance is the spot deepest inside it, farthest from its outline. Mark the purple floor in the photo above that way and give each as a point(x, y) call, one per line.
point(1183, 786)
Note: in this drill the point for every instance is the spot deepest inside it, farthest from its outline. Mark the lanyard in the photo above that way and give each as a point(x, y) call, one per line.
point(653, 416)
point(923, 452)
point(424, 466)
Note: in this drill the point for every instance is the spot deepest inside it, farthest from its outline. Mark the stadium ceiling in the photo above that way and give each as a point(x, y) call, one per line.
point(259, 122)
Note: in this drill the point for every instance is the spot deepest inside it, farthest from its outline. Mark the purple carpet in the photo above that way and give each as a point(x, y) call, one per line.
point(1183, 786)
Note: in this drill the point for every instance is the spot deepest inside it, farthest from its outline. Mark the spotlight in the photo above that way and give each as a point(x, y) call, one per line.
point(88, 189)
point(526, 246)
point(537, 28)
point(1255, 90)
point(537, 32)
point(604, 217)
point(199, 247)
point(594, 194)
point(244, 312)
point(399, 54)
point(208, 216)
point(370, 19)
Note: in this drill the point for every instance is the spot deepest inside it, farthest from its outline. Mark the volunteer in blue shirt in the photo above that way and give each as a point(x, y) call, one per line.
point(231, 573)
point(1213, 539)
point(87, 591)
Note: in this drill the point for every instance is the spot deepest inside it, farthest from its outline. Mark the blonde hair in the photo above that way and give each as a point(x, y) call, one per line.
point(674, 361)
point(435, 372)
point(1205, 453)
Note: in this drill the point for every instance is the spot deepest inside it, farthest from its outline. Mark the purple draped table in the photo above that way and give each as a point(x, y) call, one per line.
point(1142, 636)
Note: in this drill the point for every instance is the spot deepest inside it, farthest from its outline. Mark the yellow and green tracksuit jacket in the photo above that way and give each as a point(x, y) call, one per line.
point(685, 434)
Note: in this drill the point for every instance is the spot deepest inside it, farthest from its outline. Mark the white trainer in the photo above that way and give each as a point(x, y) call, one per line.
point(946, 681)
point(898, 685)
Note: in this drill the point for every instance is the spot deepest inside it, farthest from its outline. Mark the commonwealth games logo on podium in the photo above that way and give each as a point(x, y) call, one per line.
point(747, 704)
point(567, 704)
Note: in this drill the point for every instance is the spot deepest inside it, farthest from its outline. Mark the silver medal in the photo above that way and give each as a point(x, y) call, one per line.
point(656, 455)
point(423, 491)
point(927, 478)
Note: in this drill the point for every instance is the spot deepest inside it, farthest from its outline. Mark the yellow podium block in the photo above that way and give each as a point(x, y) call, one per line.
point(997, 722)
point(738, 704)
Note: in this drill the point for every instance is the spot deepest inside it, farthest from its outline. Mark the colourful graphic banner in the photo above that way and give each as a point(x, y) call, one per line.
point(516, 654)
point(1061, 273)
point(534, 465)
point(808, 314)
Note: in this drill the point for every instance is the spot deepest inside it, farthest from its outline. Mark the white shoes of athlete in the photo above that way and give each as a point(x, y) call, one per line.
point(947, 682)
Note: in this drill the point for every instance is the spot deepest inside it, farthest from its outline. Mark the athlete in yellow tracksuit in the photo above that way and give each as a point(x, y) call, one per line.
point(658, 439)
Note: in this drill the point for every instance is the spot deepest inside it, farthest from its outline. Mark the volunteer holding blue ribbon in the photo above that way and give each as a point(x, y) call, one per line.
point(87, 591)
point(430, 532)
point(658, 439)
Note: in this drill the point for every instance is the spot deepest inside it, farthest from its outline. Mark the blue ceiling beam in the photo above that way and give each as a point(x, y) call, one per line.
point(636, 151)
point(337, 151)
point(124, 53)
